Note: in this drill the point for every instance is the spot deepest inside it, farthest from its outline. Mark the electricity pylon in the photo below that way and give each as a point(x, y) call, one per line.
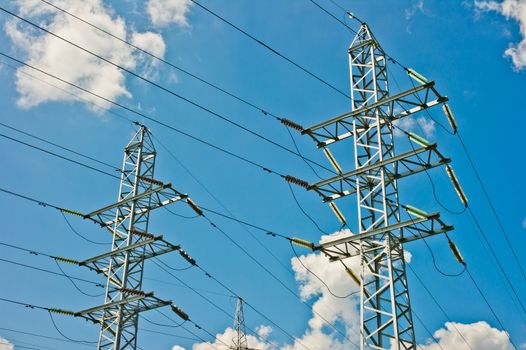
point(132, 244)
point(240, 340)
point(385, 308)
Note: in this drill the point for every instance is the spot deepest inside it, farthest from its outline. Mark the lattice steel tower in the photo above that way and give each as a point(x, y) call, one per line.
point(240, 340)
point(132, 244)
point(385, 308)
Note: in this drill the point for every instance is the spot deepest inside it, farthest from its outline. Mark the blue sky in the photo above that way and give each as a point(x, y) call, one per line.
point(472, 50)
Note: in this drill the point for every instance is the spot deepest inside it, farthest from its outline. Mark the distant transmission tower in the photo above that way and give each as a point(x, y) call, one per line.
point(240, 341)
point(386, 317)
point(127, 220)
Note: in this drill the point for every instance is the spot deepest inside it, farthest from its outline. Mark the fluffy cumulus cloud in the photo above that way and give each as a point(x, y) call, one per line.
point(516, 10)
point(61, 59)
point(5, 344)
point(479, 335)
point(166, 12)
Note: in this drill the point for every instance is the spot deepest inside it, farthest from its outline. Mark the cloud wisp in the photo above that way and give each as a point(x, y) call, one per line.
point(515, 10)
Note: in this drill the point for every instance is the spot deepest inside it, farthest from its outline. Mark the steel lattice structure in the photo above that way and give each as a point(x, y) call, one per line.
point(128, 220)
point(240, 341)
point(385, 308)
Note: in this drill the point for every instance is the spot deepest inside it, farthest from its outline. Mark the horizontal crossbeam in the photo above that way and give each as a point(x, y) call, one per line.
point(349, 246)
point(400, 166)
point(108, 215)
point(152, 247)
point(410, 101)
point(138, 303)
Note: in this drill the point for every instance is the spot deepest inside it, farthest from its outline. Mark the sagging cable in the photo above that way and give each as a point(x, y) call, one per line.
point(450, 117)
point(416, 76)
point(302, 243)
point(338, 213)
point(194, 207)
point(296, 181)
point(291, 124)
point(72, 212)
point(416, 212)
point(332, 160)
point(456, 184)
point(456, 252)
point(179, 312)
point(418, 139)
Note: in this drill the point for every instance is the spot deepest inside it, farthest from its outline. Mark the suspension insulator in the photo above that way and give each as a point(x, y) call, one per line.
point(353, 276)
point(152, 181)
point(456, 252)
point(141, 233)
point(180, 312)
point(416, 212)
point(338, 213)
point(296, 181)
point(187, 257)
point(416, 76)
point(332, 160)
point(302, 243)
point(61, 311)
point(72, 212)
point(456, 185)
point(194, 207)
point(67, 260)
point(450, 117)
point(291, 124)
point(418, 139)
point(133, 292)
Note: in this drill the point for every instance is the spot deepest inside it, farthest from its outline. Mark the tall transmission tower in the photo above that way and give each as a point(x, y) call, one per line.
point(385, 308)
point(240, 340)
point(123, 266)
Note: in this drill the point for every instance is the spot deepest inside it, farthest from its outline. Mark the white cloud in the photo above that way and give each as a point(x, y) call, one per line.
point(421, 124)
point(511, 9)
point(417, 6)
point(61, 59)
point(165, 12)
point(479, 335)
point(177, 347)
point(5, 344)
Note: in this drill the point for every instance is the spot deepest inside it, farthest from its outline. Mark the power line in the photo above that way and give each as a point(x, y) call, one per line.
point(274, 51)
point(39, 336)
point(134, 111)
point(168, 63)
point(489, 306)
point(161, 87)
point(59, 156)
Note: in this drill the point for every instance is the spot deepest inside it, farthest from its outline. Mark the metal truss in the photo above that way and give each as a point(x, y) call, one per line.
point(128, 220)
point(385, 308)
point(394, 167)
point(404, 104)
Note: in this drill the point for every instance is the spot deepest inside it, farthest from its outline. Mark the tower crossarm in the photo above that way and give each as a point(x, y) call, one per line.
point(400, 105)
point(148, 248)
point(135, 303)
point(395, 167)
point(153, 198)
point(419, 228)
